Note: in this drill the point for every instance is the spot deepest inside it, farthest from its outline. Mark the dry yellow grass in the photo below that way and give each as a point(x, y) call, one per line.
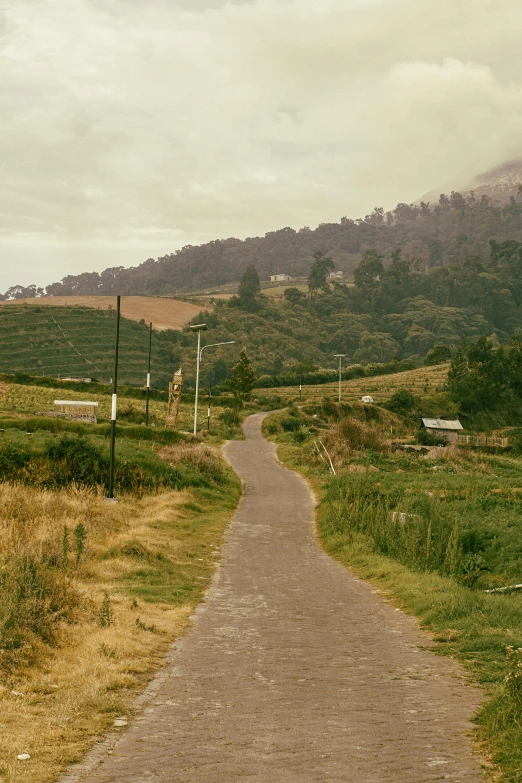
point(164, 313)
point(424, 380)
point(54, 710)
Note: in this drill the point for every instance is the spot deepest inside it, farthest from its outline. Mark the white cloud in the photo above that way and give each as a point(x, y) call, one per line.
point(129, 129)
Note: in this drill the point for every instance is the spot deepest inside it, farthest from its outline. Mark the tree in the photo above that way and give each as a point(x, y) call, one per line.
point(369, 271)
point(318, 273)
point(241, 381)
point(438, 355)
point(249, 287)
point(294, 295)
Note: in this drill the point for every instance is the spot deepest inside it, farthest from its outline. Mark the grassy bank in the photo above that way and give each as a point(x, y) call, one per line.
point(69, 672)
point(92, 594)
point(431, 532)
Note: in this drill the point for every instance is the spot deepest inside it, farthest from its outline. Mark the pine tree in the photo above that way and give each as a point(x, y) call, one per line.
point(241, 381)
point(249, 287)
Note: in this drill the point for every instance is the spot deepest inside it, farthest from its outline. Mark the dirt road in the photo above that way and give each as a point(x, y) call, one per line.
point(294, 670)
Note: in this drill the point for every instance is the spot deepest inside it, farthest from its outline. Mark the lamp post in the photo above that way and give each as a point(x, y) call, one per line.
point(197, 328)
point(340, 357)
point(201, 328)
point(110, 496)
point(148, 379)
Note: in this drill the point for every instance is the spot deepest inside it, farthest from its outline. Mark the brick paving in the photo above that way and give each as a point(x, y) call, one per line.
point(294, 670)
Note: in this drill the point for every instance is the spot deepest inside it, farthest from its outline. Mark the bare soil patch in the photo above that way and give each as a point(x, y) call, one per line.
point(165, 313)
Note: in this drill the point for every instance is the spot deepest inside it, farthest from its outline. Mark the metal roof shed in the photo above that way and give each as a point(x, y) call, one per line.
point(444, 428)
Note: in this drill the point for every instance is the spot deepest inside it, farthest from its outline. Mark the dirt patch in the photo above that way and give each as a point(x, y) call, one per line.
point(163, 312)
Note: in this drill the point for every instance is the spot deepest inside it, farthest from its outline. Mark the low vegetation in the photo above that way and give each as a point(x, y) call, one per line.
point(433, 530)
point(92, 593)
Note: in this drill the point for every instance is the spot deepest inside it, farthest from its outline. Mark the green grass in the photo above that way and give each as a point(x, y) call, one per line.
point(79, 342)
point(159, 579)
point(458, 508)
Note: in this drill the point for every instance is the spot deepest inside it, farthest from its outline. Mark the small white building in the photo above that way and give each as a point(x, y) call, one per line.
point(336, 275)
point(442, 428)
point(280, 278)
point(367, 398)
point(77, 410)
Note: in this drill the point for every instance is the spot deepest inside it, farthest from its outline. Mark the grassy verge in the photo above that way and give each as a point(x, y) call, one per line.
point(431, 535)
point(142, 570)
point(92, 594)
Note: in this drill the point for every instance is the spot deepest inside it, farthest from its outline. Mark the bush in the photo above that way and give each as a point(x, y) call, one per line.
point(34, 598)
point(74, 459)
point(356, 435)
point(425, 438)
point(12, 460)
point(290, 424)
point(402, 402)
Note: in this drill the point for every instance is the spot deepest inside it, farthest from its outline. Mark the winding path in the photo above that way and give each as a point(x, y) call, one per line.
point(294, 670)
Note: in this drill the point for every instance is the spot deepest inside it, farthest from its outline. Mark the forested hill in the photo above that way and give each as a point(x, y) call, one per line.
point(430, 235)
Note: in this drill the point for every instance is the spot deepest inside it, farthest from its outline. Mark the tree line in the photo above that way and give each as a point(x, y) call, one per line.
point(429, 234)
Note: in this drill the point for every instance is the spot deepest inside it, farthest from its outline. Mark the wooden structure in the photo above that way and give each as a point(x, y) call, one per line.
point(77, 410)
point(482, 440)
point(443, 429)
point(175, 390)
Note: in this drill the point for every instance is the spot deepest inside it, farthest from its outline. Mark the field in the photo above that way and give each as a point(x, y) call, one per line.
point(423, 381)
point(432, 531)
point(79, 342)
point(92, 594)
point(164, 313)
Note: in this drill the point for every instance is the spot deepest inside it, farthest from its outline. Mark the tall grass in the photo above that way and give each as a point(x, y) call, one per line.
point(420, 530)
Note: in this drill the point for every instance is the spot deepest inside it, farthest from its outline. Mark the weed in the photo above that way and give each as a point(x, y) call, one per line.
point(105, 615)
point(80, 535)
point(106, 651)
point(65, 547)
point(143, 627)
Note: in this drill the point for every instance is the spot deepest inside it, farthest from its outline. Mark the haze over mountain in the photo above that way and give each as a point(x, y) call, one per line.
point(134, 129)
point(499, 183)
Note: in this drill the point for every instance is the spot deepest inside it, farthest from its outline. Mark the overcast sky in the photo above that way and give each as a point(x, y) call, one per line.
point(129, 128)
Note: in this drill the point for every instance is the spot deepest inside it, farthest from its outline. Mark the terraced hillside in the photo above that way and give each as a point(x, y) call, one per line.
point(79, 342)
point(423, 381)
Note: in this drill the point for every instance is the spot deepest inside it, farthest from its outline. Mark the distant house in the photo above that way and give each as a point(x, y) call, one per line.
point(77, 410)
point(280, 278)
point(442, 428)
point(336, 275)
point(367, 398)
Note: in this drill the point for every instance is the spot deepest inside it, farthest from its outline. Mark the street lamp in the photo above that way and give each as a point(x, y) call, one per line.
point(201, 328)
point(340, 357)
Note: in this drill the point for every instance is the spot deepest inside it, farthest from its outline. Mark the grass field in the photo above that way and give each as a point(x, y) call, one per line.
point(21, 401)
point(163, 312)
point(92, 594)
point(432, 533)
point(424, 380)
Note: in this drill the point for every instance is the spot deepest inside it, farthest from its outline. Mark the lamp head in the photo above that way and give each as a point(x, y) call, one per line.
point(198, 328)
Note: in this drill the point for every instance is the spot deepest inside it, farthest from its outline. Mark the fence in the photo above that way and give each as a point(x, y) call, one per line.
point(482, 440)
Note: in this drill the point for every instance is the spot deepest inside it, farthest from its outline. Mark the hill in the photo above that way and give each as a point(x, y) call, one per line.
point(79, 342)
point(499, 184)
point(450, 227)
point(164, 313)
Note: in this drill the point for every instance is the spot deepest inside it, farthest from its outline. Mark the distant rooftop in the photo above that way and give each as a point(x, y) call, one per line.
point(442, 424)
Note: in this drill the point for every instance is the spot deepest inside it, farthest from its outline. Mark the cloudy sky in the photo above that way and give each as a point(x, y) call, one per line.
point(129, 128)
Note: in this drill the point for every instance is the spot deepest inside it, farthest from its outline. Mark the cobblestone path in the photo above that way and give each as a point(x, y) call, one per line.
point(294, 670)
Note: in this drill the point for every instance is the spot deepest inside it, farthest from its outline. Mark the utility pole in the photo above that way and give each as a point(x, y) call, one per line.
point(197, 328)
point(300, 388)
point(209, 398)
point(110, 496)
point(148, 378)
point(340, 357)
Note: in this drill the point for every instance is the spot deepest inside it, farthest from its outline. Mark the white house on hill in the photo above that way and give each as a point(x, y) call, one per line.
point(280, 278)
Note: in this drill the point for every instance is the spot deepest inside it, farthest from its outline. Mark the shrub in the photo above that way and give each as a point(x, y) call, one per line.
point(355, 435)
point(34, 598)
point(12, 460)
point(290, 424)
point(74, 459)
